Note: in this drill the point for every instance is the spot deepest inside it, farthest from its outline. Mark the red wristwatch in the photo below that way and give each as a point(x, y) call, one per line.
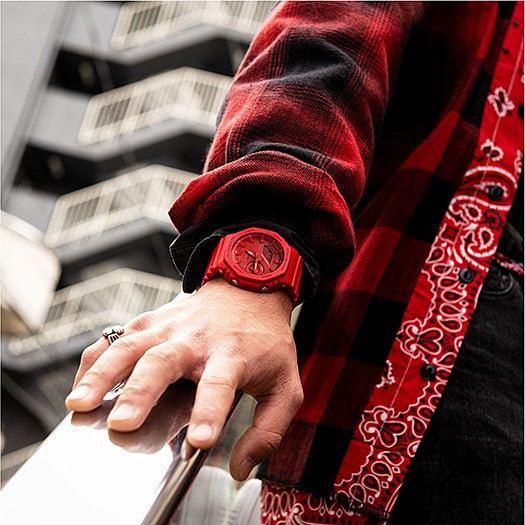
point(257, 260)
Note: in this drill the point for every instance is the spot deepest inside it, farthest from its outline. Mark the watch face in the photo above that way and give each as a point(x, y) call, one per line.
point(257, 254)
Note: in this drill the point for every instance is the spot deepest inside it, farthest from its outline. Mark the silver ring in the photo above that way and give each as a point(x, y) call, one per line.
point(112, 333)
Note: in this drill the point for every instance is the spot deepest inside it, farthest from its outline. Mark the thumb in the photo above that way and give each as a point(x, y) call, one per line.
point(271, 420)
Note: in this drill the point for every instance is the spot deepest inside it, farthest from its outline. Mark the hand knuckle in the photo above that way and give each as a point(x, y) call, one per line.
point(123, 346)
point(95, 375)
point(142, 321)
point(90, 354)
point(297, 396)
point(292, 390)
point(197, 333)
point(158, 359)
point(270, 440)
point(226, 382)
point(136, 389)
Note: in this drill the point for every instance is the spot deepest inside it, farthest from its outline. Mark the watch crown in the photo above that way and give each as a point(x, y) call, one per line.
point(264, 288)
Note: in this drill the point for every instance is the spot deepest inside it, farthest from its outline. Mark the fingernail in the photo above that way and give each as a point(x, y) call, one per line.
point(123, 412)
point(78, 393)
point(203, 432)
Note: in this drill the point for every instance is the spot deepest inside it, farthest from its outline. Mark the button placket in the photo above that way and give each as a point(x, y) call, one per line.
point(495, 193)
point(428, 372)
point(466, 275)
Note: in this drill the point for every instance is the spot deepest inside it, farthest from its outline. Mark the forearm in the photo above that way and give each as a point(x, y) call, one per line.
point(299, 125)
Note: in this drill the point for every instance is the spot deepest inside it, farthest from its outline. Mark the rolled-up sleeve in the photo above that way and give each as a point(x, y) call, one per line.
point(297, 130)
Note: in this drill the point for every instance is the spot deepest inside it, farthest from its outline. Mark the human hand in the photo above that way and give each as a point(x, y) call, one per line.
point(222, 338)
point(163, 423)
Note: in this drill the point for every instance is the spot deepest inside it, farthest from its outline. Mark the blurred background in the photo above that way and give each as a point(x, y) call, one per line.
point(107, 111)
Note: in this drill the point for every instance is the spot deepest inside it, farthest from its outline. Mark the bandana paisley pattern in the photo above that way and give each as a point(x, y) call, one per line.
point(433, 326)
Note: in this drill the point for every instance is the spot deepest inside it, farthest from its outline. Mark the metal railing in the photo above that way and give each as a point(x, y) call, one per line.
point(141, 23)
point(145, 192)
point(184, 93)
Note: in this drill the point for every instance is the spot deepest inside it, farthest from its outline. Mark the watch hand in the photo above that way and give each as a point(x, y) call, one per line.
point(268, 261)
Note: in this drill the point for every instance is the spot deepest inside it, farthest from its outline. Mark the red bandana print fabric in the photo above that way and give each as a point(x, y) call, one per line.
point(434, 323)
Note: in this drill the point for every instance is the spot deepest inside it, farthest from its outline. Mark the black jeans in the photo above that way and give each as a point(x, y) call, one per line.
point(469, 466)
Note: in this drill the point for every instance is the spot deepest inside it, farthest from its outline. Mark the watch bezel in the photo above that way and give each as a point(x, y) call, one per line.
point(233, 266)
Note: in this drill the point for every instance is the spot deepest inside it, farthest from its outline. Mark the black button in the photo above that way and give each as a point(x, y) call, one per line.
point(520, 110)
point(466, 275)
point(495, 193)
point(428, 372)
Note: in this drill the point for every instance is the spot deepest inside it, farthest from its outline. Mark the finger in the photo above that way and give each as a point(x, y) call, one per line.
point(112, 366)
point(213, 401)
point(271, 420)
point(94, 351)
point(154, 372)
point(88, 358)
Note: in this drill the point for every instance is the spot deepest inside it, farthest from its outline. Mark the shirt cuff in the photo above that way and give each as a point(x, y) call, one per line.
point(192, 250)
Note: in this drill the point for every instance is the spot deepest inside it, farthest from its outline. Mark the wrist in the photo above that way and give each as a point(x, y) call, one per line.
point(278, 301)
point(257, 260)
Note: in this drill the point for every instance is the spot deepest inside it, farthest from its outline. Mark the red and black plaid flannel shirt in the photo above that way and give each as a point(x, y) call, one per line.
point(354, 123)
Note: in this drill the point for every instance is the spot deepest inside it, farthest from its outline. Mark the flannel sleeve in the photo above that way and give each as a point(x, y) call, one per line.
point(297, 130)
